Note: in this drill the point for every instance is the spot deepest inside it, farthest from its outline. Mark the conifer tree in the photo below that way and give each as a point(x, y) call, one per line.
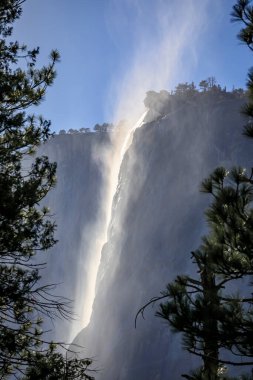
point(25, 227)
point(243, 13)
point(214, 317)
point(216, 321)
point(53, 365)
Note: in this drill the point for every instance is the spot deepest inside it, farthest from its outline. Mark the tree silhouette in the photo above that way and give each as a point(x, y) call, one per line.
point(25, 227)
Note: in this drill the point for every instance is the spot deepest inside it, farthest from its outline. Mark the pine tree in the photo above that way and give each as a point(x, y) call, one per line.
point(211, 317)
point(25, 227)
point(243, 13)
point(216, 323)
point(215, 319)
point(53, 365)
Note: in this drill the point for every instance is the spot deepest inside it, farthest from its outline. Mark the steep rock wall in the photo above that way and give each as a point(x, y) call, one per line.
point(75, 206)
point(157, 220)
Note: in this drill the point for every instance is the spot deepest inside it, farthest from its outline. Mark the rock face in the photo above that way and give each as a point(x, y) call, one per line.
point(75, 205)
point(157, 220)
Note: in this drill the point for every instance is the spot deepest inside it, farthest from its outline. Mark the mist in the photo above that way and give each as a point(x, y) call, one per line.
point(161, 58)
point(133, 195)
point(158, 61)
point(126, 204)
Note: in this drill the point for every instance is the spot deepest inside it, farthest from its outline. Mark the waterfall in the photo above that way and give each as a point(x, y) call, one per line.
point(112, 159)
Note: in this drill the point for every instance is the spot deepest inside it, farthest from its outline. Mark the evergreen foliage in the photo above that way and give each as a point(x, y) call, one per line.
point(215, 318)
point(52, 365)
point(105, 127)
point(208, 91)
point(214, 309)
point(243, 13)
point(25, 227)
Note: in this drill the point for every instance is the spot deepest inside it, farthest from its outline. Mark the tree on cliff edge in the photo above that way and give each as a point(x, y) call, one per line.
point(25, 226)
point(243, 12)
point(209, 310)
point(214, 309)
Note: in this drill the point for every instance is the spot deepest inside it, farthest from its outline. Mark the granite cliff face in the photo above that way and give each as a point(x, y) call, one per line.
point(75, 207)
point(157, 219)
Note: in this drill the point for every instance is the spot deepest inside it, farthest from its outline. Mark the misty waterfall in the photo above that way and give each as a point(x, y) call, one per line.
point(128, 220)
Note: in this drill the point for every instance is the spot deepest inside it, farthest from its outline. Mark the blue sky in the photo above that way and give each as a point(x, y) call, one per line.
point(113, 51)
